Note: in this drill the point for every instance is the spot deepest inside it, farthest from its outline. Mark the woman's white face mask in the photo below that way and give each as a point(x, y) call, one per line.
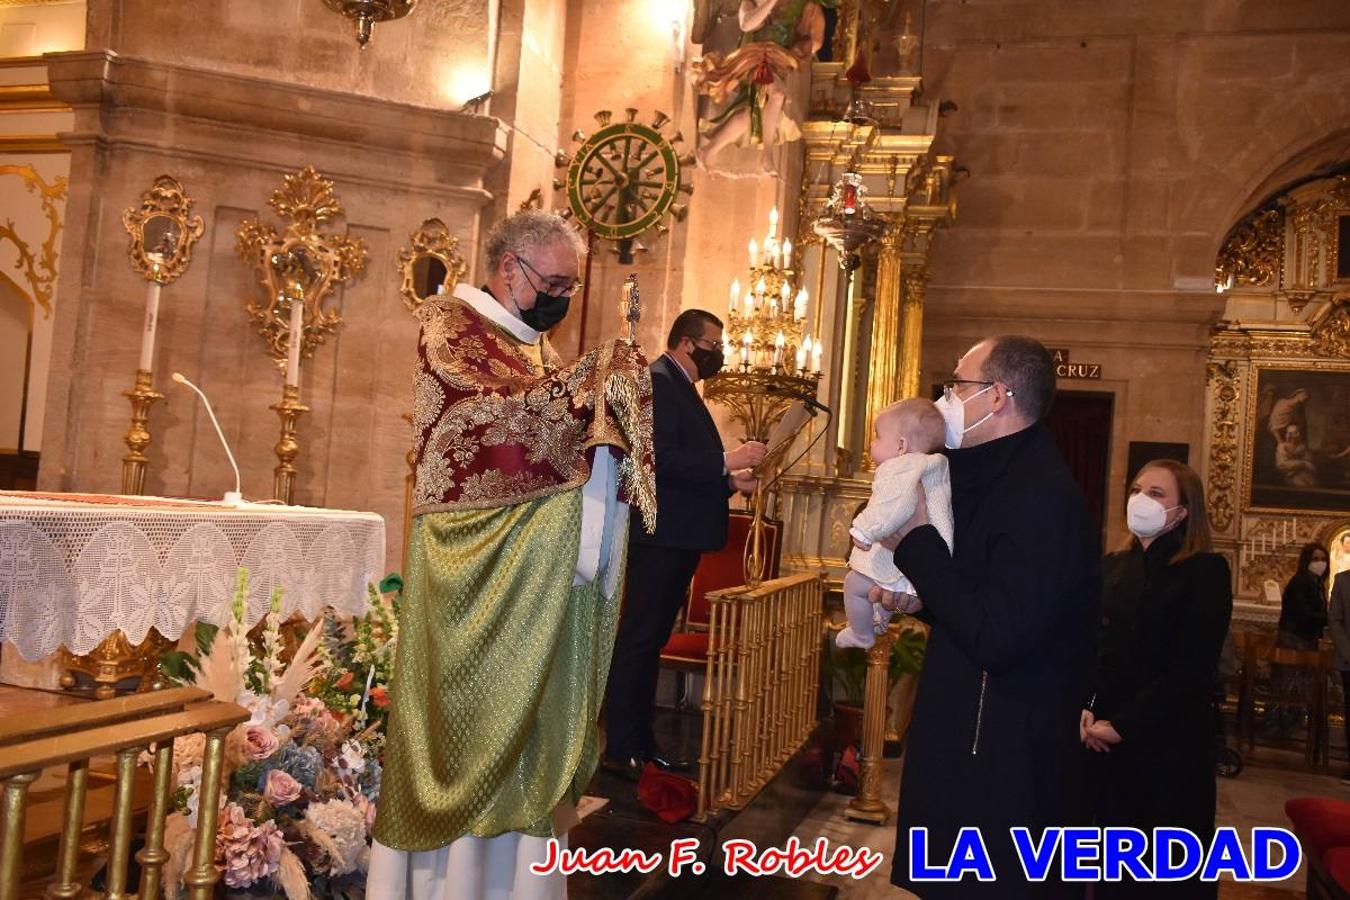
point(1146, 517)
point(953, 411)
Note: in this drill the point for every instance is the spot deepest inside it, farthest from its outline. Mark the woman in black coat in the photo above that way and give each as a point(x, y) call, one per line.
point(1303, 608)
point(1166, 603)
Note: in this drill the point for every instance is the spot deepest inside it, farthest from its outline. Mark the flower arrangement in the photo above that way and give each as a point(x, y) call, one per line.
point(302, 775)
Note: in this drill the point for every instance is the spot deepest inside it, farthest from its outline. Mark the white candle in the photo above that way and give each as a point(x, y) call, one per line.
point(297, 338)
point(735, 293)
point(801, 358)
point(815, 356)
point(773, 221)
point(754, 253)
point(778, 343)
point(745, 341)
point(148, 332)
point(783, 293)
point(787, 252)
point(800, 307)
point(759, 286)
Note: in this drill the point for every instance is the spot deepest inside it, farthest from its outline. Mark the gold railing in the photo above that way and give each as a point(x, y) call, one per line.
point(760, 685)
point(70, 736)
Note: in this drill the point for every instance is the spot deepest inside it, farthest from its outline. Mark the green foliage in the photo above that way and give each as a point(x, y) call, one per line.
point(848, 668)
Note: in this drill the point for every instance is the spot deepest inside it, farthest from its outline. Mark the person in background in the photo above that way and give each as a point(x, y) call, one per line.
point(1303, 607)
point(1166, 603)
point(1339, 621)
point(694, 478)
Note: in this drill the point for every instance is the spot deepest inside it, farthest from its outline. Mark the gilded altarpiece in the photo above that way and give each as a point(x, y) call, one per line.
point(872, 322)
point(1277, 460)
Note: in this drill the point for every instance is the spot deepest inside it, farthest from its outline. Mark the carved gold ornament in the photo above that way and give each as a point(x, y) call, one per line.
point(1331, 331)
point(39, 269)
point(303, 263)
point(1223, 449)
point(433, 261)
point(162, 231)
point(1251, 255)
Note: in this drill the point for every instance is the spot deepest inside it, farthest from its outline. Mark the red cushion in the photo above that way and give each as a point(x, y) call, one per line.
point(687, 645)
point(725, 568)
point(1337, 863)
point(1321, 824)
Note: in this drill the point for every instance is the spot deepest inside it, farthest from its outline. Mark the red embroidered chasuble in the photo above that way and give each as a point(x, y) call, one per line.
point(494, 428)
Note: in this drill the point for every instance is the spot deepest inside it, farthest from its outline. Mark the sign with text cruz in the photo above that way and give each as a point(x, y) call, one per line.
point(1066, 369)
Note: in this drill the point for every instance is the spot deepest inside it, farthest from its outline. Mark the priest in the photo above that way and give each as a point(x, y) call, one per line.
point(525, 472)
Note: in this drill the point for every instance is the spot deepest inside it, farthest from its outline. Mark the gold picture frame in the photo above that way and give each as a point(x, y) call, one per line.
point(432, 262)
point(163, 231)
point(1287, 475)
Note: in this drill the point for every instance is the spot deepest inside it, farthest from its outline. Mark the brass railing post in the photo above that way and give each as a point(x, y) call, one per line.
point(119, 853)
point(153, 856)
point(867, 806)
point(11, 848)
point(66, 887)
point(201, 879)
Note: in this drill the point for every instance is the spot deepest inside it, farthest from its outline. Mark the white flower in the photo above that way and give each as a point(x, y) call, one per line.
point(345, 826)
point(266, 712)
point(352, 758)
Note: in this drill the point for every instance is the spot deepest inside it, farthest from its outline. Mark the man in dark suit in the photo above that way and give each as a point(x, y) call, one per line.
point(694, 478)
point(994, 741)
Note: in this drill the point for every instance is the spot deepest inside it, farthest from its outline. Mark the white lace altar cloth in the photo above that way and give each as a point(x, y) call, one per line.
point(74, 568)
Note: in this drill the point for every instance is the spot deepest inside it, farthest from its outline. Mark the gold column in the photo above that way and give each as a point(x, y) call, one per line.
point(867, 806)
point(11, 845)
point(911, 330)
point(884, 368)
point(137, 438)
point(289, 409)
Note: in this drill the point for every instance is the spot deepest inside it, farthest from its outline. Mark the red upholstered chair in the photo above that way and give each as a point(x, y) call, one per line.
point(1323, 829)
point(687, 649)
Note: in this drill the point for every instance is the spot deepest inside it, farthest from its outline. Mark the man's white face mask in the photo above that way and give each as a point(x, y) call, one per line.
point(953, 410)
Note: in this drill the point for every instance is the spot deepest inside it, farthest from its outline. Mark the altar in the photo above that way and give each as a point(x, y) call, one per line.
point(80, 571)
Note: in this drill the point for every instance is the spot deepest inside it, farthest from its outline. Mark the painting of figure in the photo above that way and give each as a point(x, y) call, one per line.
point(1300, 445)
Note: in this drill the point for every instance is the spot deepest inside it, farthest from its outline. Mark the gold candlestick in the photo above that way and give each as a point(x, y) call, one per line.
point(289, 409)
point(138, 435)
point(867, 806)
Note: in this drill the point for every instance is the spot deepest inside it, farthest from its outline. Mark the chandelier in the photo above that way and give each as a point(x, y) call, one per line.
point(849, 223)
point(766, 325)
point(771, 363)
point(367, 12)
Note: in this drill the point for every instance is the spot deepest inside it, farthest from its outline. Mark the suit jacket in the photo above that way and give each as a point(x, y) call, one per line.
point(1340, 619)
point(691, 486)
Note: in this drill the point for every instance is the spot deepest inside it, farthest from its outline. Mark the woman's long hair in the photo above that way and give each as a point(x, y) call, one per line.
point(1195, 527)
point(1305, 556)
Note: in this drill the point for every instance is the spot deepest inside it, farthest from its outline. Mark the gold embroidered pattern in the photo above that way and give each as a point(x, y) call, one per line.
point(493, 430)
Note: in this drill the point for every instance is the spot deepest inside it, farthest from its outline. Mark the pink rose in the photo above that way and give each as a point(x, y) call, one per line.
point(281, 788)
point(259, 742)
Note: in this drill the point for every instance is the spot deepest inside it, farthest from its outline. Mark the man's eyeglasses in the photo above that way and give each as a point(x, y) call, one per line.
point(553, 285)
point(949, 386)
point(702, 342)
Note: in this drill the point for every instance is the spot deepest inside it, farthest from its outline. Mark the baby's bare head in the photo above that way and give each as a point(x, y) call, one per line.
point(916, 420)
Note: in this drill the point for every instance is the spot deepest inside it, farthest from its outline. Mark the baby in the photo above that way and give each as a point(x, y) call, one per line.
point(907, 434)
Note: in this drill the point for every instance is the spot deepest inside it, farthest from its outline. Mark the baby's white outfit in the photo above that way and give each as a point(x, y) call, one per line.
point(894, 500)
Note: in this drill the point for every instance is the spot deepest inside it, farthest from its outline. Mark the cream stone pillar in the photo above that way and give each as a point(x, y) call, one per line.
point(915, 282)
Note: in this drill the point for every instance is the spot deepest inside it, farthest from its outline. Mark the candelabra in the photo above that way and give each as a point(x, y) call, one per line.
point(289, 410)
point(770, 363)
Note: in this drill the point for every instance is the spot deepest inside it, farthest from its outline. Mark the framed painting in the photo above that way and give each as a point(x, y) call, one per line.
point(1298, 452)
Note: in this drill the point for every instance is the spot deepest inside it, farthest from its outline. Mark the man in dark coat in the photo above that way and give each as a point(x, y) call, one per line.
point(694, 478)
point(994, 742)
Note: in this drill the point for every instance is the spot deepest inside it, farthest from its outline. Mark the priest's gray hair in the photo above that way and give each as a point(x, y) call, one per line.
point(528, 229)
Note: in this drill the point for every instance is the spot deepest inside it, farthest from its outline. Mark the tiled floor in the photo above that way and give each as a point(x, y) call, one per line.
point(1254, 798)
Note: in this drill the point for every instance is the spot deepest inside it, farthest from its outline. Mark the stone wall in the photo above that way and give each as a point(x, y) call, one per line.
point(1110, 149)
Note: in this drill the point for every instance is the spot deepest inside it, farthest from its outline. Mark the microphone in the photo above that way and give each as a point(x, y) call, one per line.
point(234, 497)
point(812, 404)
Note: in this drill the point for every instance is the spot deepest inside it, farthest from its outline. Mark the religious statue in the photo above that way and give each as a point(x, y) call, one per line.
point(754, 80)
